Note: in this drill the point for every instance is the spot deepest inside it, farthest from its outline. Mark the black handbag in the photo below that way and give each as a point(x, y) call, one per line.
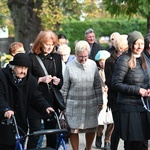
point(59, 99)
point(64, 125)
point(58, 95)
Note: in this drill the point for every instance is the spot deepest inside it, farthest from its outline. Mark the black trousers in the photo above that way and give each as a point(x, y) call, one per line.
point(7, 147)
point(115, 134)
point(136, 145)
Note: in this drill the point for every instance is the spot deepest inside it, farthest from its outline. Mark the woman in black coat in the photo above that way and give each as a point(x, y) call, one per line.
point(131, 81)
point(16, 98)
point(44, 47)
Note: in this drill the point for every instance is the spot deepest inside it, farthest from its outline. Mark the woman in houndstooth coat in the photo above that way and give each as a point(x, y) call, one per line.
point(83, 95)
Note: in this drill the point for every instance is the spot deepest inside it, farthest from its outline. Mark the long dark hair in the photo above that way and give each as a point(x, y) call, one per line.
point(132, 60)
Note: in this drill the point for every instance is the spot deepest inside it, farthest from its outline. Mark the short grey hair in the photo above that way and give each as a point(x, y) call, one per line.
point(90, 30)
point(82, 46)
point(64, 48)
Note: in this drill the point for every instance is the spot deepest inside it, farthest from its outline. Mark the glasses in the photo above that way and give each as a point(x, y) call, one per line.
point(81, 57)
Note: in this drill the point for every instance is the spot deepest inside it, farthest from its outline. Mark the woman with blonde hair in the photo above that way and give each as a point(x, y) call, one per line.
point(82, 91)
point(121, 45)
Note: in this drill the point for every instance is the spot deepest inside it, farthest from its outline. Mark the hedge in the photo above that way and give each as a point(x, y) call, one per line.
point(74, 30)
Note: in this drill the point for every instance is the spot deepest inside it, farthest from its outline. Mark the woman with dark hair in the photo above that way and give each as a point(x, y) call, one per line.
point(44, 47)
point(131, 81)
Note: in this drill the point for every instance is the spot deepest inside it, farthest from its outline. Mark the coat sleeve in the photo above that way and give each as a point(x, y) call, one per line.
point(4, 106)
point(66, 84)
point(98, 86)
point(59, 75)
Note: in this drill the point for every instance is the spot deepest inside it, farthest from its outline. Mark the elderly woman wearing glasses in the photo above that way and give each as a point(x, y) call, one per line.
point(82, 91)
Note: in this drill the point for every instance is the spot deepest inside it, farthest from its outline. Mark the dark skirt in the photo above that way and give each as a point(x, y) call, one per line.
point(134, 125)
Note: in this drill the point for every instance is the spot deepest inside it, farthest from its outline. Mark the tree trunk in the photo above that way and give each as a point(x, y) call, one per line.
point(27, 24)
point(148, 24)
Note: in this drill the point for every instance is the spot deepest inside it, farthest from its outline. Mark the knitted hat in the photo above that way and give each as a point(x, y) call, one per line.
point(102, 54)
point(21, 59)
point(133, 36)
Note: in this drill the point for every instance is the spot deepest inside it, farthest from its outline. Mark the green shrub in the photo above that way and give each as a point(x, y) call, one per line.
point(74, 30)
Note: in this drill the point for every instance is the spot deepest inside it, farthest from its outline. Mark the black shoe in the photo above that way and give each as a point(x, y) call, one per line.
point(98, 141)
point(107, 146)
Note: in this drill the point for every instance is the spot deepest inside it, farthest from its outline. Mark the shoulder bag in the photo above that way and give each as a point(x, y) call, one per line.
point(58, 95)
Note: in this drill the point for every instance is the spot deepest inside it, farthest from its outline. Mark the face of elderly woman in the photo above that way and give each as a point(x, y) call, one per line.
point(82, 57)
point(20, 71)
point(138, 46)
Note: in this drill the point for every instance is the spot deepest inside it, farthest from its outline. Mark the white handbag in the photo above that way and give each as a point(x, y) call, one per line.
point(105, 116)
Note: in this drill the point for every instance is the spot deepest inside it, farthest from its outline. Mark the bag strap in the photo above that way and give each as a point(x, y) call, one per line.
point(145, 105)
point(62, 114)
point(42, 65)
point(45, 71)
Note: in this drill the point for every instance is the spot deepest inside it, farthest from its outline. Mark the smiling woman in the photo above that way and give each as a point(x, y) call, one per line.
point(131, 82)
point(82, 50)
point(82, 92)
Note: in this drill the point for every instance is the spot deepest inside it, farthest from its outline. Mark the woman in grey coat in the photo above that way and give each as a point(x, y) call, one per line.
point(83, 95)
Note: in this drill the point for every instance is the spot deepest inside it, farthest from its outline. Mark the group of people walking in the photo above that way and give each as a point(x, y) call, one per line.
point(89, 80)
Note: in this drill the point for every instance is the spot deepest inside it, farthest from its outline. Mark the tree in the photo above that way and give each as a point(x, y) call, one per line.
point(27, 24)
point(31, 16)
point(5, 19)
point(129, 8)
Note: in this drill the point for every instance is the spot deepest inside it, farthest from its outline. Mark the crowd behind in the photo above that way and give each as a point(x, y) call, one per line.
point(93, 78)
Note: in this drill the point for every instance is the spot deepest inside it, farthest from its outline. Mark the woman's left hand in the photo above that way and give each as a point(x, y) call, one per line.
point(56, 80)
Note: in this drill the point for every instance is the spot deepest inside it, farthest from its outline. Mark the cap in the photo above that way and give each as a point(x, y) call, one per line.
point(102, 54)
point(133, 36)
point(21, 59)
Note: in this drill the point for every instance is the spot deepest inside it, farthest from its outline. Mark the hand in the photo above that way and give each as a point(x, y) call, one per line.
point(45, 79)
point(104, 89)
point(56, 80)
point(49, 110)
point(8, 114)
point(143, 92)
point(148, 92)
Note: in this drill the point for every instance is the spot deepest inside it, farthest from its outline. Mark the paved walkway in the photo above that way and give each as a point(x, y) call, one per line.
point(82, 144)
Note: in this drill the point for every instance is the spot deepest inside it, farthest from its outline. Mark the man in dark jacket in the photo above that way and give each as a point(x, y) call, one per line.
point(18, 91)
point(95, 47)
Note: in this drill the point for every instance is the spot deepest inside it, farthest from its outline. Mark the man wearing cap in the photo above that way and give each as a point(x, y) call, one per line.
point(18, 90)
